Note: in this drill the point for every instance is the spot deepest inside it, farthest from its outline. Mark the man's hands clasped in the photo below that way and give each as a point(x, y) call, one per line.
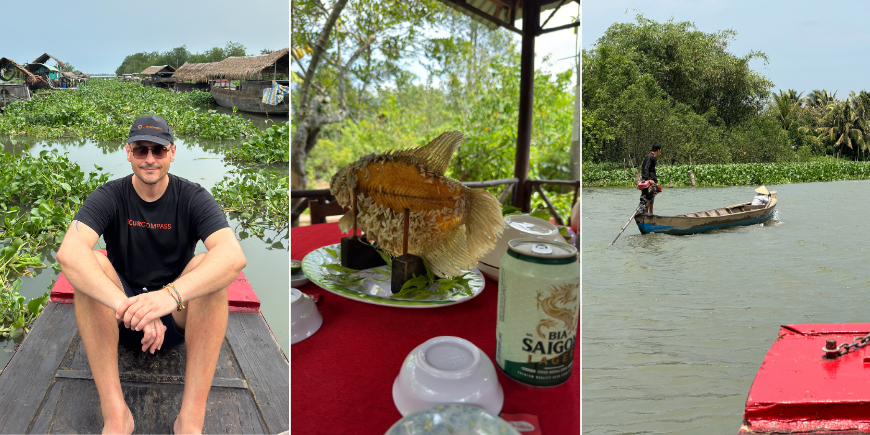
point(143, 312)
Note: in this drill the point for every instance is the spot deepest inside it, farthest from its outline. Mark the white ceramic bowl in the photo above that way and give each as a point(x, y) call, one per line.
point(516, 227)
point(305, 320)
point(447, 370)
point(452, 420)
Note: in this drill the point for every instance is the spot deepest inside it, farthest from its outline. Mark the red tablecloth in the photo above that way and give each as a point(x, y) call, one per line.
point(341, 378)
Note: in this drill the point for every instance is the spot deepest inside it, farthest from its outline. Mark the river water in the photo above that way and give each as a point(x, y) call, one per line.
point(200, 161)
point(675, 327)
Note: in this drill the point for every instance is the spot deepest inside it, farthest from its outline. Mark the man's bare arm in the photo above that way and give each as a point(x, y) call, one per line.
point(81, 268)
point(219, 268)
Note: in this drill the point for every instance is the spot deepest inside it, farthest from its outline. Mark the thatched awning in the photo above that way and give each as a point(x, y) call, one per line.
point(84, 76)
point(239, 68)
point(44, 58)
point(70, 75)
point(156, 69)
point(194, 72)
point(9, 63)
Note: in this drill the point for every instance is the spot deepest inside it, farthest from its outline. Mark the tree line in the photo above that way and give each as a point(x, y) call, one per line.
point(135, 63)
point(676, 85)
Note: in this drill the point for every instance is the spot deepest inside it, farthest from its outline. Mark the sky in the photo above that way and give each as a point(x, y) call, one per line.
point(96, 35)
point(810, 45)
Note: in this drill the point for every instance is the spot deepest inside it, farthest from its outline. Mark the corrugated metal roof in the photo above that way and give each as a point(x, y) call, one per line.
point(495, 13)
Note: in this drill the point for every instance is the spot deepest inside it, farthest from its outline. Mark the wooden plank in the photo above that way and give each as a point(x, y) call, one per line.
point(154, 409)
point(28, 375)
point(264, 366)
point(146, 378)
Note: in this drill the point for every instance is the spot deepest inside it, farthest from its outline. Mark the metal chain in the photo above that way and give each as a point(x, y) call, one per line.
point(857, 343)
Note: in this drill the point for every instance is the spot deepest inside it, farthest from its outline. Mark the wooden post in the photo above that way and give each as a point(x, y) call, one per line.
point(692, 177)
point(637, 177)
point(531, 19)
point(405, 233)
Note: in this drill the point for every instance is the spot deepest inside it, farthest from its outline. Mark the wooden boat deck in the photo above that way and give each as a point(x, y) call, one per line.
point(47, 387)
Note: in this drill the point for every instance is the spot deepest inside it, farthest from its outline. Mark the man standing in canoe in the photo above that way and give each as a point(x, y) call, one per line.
point(151, 291)
point(648, 173)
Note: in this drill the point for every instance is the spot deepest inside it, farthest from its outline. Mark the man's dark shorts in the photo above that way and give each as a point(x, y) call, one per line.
point(133, 338)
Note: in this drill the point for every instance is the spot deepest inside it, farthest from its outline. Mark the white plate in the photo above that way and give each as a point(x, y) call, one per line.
point(373, 290)
point(297, 282)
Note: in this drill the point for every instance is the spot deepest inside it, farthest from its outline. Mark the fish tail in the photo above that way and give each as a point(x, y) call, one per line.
point(346, 222)
point(450, 256)
point(485, 222)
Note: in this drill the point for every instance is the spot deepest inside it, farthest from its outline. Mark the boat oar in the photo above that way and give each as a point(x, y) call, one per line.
point(636, 211)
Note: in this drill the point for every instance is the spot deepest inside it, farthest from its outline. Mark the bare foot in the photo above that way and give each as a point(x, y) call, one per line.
point(179, 428)
point(120, 426)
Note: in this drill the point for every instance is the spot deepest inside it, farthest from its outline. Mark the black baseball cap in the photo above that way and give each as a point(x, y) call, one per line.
point(152, 128)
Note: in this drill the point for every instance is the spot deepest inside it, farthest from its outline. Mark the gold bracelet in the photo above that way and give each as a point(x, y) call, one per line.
point(179, 300)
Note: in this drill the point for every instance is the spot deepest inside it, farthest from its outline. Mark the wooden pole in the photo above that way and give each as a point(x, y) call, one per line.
point(405, 233)
point(531, 18)
point(692, 177)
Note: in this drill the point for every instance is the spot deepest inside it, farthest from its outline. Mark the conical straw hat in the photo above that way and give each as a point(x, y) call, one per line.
point(762, 190)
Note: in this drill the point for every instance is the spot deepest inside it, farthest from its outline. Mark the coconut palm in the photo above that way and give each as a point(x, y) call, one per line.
point(788, 106)
point(842, 125)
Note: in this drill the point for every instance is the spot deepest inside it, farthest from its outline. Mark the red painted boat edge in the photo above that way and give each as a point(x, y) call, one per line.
point(797, 390)
point(240, 295)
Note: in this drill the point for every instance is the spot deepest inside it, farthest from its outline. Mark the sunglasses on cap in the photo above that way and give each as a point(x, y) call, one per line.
point(158, 151)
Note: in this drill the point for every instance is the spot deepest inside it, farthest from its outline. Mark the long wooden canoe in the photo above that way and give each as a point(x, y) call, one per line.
point(691, 223)
point(48, 387)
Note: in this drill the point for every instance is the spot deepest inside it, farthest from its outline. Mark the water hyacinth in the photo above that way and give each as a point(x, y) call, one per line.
point(105, 109)
point(734, 174)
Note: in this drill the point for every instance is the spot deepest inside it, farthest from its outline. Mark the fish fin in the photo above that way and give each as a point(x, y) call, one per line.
point(435, 156)
point(484, 222)
point(450, 256)
point(346, 222)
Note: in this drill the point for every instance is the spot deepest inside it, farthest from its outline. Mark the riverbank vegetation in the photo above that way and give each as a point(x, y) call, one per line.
point(826, 169)
point(136, 63)
point(676, 85)
point(105, 109)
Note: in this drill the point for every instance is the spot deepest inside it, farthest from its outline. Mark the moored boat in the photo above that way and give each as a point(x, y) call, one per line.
point(47, 386)
point(802, 388)
point(691, 223)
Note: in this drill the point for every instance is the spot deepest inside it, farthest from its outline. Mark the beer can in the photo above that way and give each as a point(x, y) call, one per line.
point(538, 312)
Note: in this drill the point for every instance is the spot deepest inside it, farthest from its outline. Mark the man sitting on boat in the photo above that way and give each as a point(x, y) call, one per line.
point(648, 173)
point(762, 197)
point(151, 291)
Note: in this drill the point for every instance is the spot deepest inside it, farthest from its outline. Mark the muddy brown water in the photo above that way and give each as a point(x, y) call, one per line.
point(676, 327)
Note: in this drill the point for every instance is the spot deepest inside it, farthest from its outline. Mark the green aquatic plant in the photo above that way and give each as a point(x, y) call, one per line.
point(268, 146)
point(105, 109)
point(259, 198)
point(39, 196)
point(734, 174)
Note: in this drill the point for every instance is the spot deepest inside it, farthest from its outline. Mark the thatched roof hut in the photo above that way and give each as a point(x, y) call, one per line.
point(44, 58)
point(70, 75)
point(240, 68)
point(84, 76)
point(194, 72)
point(157, 69)
point(6, 64)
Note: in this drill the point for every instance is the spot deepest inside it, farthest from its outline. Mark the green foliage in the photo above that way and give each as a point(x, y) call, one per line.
point(734, 174)
point(105, 109)
point(39, 196)
point(260, 199)
point(268, 146)
point(136, 63)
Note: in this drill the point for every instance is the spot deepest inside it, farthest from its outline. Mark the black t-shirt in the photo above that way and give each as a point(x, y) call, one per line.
point(150, 243)
point(648, 169)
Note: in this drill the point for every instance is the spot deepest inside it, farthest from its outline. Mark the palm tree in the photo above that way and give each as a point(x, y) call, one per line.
point(842, 125)
point(788, 107)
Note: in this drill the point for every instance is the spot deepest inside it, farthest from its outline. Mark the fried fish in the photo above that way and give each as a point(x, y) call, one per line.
point(450, 225)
